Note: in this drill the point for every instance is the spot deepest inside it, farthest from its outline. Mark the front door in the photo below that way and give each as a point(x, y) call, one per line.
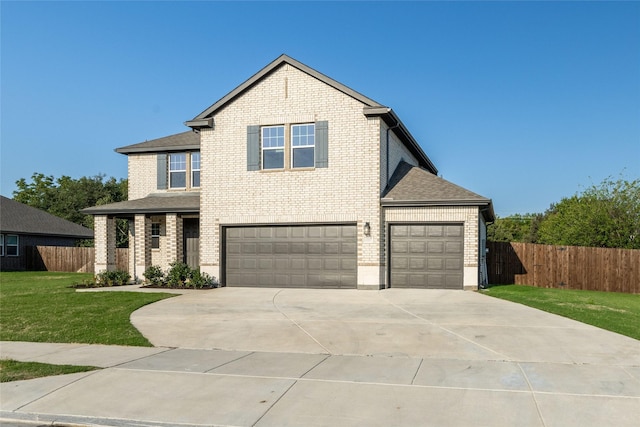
point(192, 242)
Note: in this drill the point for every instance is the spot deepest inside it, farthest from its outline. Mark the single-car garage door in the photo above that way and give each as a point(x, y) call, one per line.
point(298, 256)
point(427, 256)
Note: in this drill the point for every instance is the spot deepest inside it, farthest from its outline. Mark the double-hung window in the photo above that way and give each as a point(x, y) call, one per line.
point(302, 145)
point(178, 170)
point(273, 147)
point(12, 244)
point(195, 169)
point(155, 235)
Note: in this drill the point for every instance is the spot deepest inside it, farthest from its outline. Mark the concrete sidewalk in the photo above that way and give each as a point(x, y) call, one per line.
point(345, 359)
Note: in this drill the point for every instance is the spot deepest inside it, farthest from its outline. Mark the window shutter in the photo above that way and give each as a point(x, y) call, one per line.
point(253, 148)
point(322, 144)
point(162, 171)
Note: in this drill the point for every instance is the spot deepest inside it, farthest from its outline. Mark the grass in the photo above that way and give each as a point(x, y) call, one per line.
point(11, 370)
point(616, 312)
point(40, 307)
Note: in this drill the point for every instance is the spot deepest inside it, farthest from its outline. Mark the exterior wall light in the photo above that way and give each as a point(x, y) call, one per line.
point(367, 229)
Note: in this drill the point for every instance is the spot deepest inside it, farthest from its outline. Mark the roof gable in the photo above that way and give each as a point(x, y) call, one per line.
point(201, 119)
point(19, 218)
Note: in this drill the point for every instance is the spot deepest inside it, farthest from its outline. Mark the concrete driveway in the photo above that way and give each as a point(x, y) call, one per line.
point(392, 322)
point(271, 357)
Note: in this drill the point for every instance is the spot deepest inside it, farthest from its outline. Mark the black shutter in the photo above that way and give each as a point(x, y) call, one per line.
point(253, 148)
point(322, 144)
point(162, 171)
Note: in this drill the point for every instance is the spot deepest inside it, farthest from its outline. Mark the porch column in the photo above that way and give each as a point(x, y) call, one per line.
point(104, 228)
point(174, 240)
point(142, 243)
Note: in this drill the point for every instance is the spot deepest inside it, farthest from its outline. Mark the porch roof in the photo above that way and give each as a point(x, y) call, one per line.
point(153, 203)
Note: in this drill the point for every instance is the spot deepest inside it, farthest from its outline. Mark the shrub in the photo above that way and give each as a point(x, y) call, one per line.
point(154, 275)
point(112, 278)
point(178, 274)
point(202, 280)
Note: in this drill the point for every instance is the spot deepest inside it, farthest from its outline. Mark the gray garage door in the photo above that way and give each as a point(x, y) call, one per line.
point(310, 256)
point(427, 256)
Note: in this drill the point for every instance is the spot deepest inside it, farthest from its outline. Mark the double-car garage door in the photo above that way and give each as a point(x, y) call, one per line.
point(427, 256)
point(301, 256)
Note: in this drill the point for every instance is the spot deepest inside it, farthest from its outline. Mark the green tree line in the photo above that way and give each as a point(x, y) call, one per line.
point(605, 215)
point(65, 197)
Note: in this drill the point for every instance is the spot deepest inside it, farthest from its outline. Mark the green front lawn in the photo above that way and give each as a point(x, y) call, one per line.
point(11, 370)
point(40, 307)
point(612, 311)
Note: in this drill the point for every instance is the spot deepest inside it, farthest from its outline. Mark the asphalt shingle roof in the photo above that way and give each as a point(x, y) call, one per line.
point(153, 203)
point(413, 185)
point(189, 140)
point(19, 218)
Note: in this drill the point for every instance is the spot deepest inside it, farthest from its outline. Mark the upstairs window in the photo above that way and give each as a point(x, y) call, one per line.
point(303, 146)
point(195, 169)
point(178, 170)
point(273, 147)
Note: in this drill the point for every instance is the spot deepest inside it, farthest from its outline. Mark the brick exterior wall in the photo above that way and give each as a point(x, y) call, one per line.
point(104, 231)
point(346, 191)
point(143, 172)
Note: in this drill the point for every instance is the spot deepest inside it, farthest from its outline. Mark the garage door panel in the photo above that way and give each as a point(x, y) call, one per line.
point(291, 256)
point(331, 248)
point(426, 256)
point(418, 247)
point(453, 231)
point(265, 264)
point(348, 248)
point(249, 248)
point(314, 248)
point(417, 264)
point(399, 231)
point(399, 247)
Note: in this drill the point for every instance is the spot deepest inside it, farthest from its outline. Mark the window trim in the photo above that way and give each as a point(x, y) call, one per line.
point(16, 245)
point(312, 146)
point(1, 244)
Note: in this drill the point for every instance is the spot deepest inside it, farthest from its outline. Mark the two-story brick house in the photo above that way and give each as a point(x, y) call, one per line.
point(293, 179)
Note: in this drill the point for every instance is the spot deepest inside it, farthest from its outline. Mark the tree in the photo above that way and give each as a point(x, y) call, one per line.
point(514, 228)
point(605, 215)
point(65, 197)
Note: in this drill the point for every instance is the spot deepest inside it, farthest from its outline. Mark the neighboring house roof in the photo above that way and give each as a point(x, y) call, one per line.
point(371, 107)
point(413, 186)
point(189, 140)
point(19, 218)
point(153, 203)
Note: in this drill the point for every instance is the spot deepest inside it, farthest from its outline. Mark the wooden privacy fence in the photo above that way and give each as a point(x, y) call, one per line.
point(570, 267)
point(69, 259)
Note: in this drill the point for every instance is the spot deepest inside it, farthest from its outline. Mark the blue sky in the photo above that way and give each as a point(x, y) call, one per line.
point(521, 102)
